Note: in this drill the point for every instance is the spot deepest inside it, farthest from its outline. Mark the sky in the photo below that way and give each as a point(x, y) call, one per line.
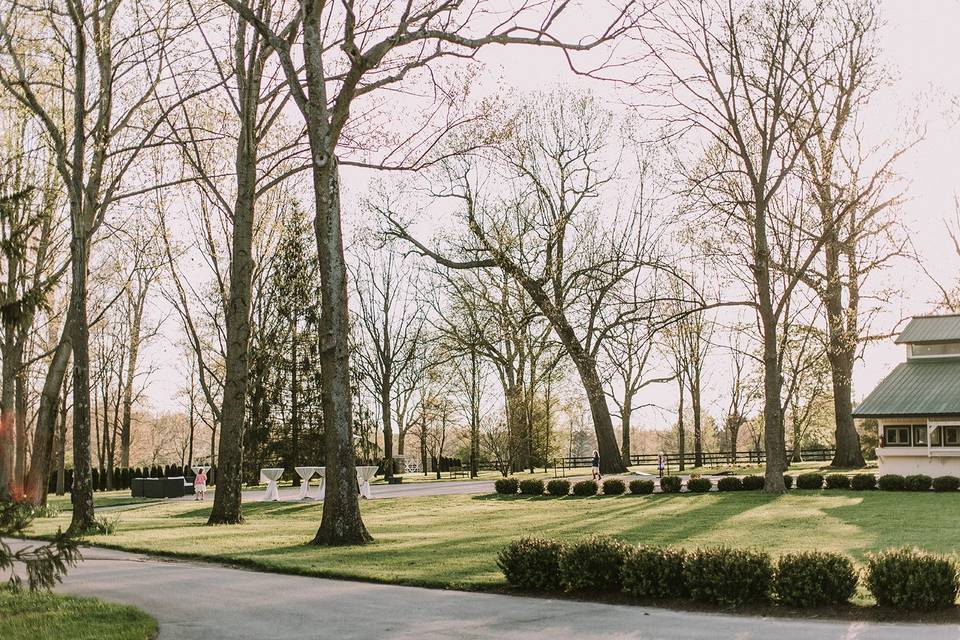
point(920, 44)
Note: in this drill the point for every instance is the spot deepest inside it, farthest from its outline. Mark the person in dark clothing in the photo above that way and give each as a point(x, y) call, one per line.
point(596, 466)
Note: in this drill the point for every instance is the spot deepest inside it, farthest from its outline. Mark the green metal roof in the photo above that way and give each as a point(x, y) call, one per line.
point(944, 328)
point(916, 388)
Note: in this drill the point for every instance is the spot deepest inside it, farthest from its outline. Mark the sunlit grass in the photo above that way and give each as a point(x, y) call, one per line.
point(48, 616)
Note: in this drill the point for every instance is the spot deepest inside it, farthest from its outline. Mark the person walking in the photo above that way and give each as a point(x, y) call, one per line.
point(596, 466)
point(200, 484)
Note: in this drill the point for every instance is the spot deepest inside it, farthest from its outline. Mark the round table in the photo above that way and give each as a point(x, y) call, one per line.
point(270, 476)
point(364, 476)
point(306, 473)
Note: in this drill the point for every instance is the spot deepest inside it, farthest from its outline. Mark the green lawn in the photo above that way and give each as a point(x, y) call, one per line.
point(452, 541)
point(49, 616)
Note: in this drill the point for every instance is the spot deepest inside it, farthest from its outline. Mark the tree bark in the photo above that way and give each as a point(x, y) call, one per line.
point(681, 433)
point(83, 515)
point(848, 452)
point(695, 401)
point(625, 415)
point(135, 323)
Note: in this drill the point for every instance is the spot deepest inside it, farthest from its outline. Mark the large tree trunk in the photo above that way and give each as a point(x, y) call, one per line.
point(773, 429)
point(385, 414)
point(625, 415)
point(83, 516)
point(695, 401)
point(8, 414)
point(20, 402)
point(135, 322)
point(341, 522)
point(681, 431)
point(610, 459)
point(840, 353)
point(47, 414)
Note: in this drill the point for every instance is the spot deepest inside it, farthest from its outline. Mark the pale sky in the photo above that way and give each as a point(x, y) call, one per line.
point(921, 44)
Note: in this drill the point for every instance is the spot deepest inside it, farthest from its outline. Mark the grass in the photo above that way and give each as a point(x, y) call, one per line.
point(452, 541)
point(48, 616)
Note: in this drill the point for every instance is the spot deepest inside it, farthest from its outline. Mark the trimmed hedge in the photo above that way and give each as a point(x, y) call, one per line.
point(892, 482)
point(699, 485)
point(654, 572)
point(614, 487)
point(585, 488)
point(670, 484)
point(506, 486)
point(592, 564)
point(917, 482)
point(532, 563)
point(810, 481)
point(728, 577)
point(946, 483)
point(730, 483)
point(837, 481)
point(912, 579)
point(814, 579)
point(641, 487)
point(863, 482)
point(532, 487)
point(752, 483)
point(558, 487)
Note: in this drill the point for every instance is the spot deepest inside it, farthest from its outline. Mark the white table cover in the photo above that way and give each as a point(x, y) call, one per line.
point(270, 476)
point(321, 488)
point(364, 476)
point(306, 473)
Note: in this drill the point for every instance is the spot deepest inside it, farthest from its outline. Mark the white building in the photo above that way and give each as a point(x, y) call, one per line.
point(918, 404)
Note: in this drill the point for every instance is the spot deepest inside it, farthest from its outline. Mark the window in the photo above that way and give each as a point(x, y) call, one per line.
point(919, 435)
point(951, 436)
point(943, 349)
point(898, 436)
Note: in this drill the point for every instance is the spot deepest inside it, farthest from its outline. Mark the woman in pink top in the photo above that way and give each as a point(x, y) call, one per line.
point(200, 484)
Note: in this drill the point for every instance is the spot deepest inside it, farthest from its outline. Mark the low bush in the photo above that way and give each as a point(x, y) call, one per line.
point(946, 483)
point(585, 488)
point(670, 484)
point(891, 482)
point(614, 487)
point(788, 482)
point(641, 487)
point(699, 485)
point(532, 487)
point(917, 482)
point(912, 579)
point(863, 482)
point(558, 487)
point(814, 579)
point(837, 481)
point(592, 564)
point(730, 483)
point(106, 525)
point(810, 481)
point(506, 486)
point(729, 577)
point(531, 563)
point(654, 572)
point(752, 483)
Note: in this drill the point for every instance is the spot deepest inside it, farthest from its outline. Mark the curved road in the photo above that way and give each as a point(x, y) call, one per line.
point(207, 601)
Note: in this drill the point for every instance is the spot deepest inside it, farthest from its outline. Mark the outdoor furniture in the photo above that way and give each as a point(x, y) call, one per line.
point(306, 473)
point(176, 487)
point(395, 480)
point(136, 487)
point(364, 476)
point(152, 487)
point(270, 476)
point(458, 471)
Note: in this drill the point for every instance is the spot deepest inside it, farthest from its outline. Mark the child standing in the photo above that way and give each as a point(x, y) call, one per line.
point(596, 466)
point(200, 484)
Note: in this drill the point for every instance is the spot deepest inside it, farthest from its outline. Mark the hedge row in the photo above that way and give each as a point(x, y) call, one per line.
point(673, 484)
point(120, 478)
point(900, 578)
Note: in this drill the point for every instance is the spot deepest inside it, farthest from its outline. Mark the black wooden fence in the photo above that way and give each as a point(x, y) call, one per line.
point(709, 458)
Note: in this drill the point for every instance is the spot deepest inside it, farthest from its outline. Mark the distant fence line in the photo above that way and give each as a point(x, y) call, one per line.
point(709, 458)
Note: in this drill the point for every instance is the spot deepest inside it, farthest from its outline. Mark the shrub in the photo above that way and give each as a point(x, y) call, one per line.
point(614, 487)
point(558, 487)
point(837, 481)
point(863, 482)
point(891, 482)
point(585, 488)
point(699, 485)
point(727, 576)
point(911, 579)
point(641, 487)
point(810, 481)
point(730, 483)
point(654, 572)
point(670, 484)
point(946, 483)
point(917, 482)
point(531, 563)
point(788, 482)
point(506, 486)
point(106, 525)
point(752, 483)
point(814, 579)
point(592, 564)
point(532, 487)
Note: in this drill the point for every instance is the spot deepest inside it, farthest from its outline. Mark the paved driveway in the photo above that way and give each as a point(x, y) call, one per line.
point(196, 601)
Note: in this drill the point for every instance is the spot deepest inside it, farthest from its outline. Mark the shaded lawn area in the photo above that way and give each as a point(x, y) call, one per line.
point(48, 616)
point(452, 541)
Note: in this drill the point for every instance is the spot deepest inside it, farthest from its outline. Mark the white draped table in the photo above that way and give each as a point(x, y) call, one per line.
point(306, 473)
point(364, 476)
point(270, 476)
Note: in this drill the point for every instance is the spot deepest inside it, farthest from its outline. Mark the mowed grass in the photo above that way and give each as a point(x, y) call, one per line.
point(452, 541)
point(49, 616)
